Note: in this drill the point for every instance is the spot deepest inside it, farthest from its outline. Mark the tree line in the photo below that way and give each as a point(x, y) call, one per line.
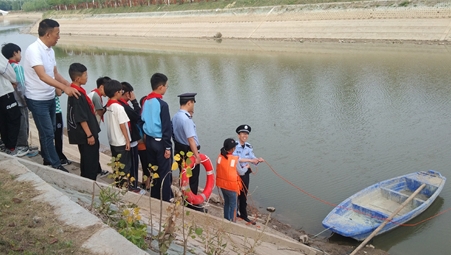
point(44, 5)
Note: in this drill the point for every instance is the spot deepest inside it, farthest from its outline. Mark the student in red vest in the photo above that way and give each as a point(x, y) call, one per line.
point(82, 126)
point(228, 179)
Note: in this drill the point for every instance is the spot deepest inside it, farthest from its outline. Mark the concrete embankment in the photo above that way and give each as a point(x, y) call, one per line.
point(306, 22)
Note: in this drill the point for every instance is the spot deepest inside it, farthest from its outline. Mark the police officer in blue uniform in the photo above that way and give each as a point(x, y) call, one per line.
point(185, 135)
point(245, 152)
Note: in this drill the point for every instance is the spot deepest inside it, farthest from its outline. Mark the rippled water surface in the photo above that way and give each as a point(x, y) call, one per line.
point(330, 123)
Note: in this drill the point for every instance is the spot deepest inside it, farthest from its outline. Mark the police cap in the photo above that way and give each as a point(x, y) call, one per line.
point(187, 96)
point(243, 128)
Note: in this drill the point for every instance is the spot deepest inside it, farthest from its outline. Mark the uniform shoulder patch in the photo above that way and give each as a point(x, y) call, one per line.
point(248, 145)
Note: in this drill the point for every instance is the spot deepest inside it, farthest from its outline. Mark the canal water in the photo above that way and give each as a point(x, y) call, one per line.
point(330, 123)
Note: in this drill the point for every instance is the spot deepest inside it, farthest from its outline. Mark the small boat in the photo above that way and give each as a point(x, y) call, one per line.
point(359, 215)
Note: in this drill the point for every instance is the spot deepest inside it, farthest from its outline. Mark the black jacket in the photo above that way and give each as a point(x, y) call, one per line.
point(134, 114)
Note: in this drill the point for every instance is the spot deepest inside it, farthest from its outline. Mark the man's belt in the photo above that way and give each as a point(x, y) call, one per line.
point(183, 147)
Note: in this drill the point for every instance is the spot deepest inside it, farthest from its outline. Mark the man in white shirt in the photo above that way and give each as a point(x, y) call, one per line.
point(41, 80)
point(9, 109)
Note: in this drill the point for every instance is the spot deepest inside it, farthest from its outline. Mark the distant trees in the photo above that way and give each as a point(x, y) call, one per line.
point(41, 5)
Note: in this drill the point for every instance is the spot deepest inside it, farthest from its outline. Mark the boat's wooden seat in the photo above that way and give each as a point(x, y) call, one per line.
point(399, 197)
point(378, 215)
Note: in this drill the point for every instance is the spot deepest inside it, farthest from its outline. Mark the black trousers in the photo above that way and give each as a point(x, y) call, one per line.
point(242, 197)
point(194, 179)
point(9, 120)
point(144, 163)
point(89, 160)
point(155, 154)
point(134, 167)
point(59, 136)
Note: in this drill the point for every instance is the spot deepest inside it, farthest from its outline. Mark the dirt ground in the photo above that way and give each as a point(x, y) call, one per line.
point(29, 227)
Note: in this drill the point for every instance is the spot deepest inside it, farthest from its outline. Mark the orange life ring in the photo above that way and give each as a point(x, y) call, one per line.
point(205, 194)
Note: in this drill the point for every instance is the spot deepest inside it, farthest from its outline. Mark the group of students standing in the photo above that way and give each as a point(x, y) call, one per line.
point(137, 131)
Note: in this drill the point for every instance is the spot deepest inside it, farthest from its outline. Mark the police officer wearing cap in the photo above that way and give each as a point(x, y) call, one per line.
point(245, 152)
point(185, 136)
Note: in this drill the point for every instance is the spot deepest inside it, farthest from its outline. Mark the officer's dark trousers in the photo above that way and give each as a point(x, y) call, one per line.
point(155, 155)
point(242, 198)
point(9, 120)
point(194, 179)
point(89, 159)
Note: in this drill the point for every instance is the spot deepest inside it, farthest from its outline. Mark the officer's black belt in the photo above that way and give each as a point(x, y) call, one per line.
point(183, 147)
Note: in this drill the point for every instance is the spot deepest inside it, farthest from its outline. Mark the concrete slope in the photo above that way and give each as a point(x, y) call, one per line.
point(279, 22)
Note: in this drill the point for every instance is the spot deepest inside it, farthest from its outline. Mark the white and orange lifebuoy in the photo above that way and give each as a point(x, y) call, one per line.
point(205, 194)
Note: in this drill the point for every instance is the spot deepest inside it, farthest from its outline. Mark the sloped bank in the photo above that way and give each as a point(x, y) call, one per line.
point(362, 21)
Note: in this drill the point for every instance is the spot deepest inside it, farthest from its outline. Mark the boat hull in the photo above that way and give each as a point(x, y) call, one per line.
point(359, 215)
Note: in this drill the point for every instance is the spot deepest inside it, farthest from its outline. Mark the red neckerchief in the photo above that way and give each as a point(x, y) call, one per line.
point(101, 100)
point(123, 101)
point(154, 95)
point(13, 61)
point(83, 91)
point(98, 93)
point(150, 96)
point(114, 101)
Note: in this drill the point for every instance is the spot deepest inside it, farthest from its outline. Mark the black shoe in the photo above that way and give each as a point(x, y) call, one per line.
point(104, 173)
point(197, 208)
point(249, 221)
point(62, 169)
point(65, 162)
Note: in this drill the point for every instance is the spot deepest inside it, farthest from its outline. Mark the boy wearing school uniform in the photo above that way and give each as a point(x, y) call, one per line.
point(12, 52)
point(134, 114)
point(117, 125)
point(82, 126)
point(96, 98)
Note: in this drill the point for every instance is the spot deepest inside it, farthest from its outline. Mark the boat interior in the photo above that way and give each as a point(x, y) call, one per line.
point(381, 202)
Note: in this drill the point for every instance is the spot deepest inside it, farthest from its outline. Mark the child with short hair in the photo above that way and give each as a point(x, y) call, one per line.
point(134, 114)
point(96, 97)
point(12, 52)
point(117, 125)
point(82, 126)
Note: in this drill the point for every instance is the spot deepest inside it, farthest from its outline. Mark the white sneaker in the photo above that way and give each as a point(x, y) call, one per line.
point(20, 152)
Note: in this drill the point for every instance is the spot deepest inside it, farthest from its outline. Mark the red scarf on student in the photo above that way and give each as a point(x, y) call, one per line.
point(13, 61)
point(98, 93)
point(114, 101)
point(101, 100)
point(83, 91)
point(150, 96)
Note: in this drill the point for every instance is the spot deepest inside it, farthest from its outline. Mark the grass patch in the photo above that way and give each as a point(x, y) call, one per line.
point(31, 227)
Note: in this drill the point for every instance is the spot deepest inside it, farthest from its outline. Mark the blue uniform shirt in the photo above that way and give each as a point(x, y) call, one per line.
point(157, 121)
point(246, 153)
point(183, 127)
